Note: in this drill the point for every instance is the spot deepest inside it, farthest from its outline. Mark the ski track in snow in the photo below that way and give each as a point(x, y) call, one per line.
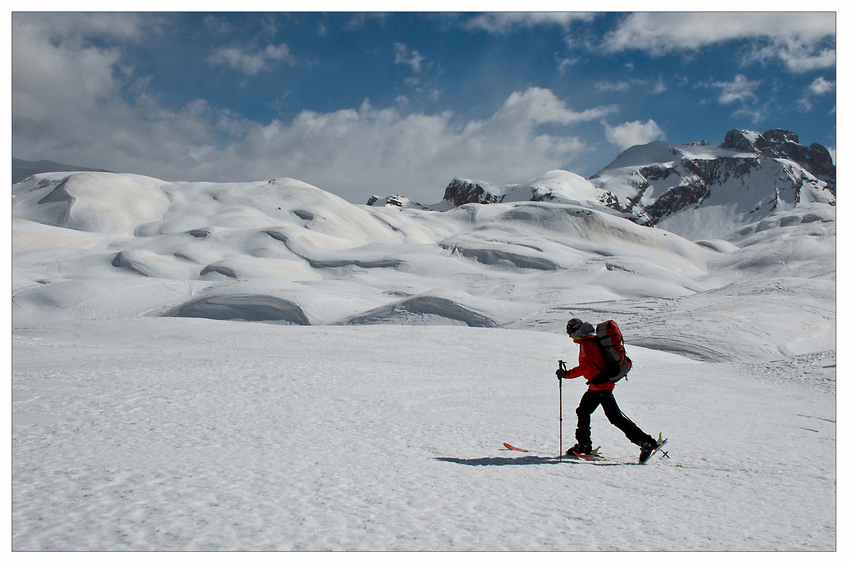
point(185, 434)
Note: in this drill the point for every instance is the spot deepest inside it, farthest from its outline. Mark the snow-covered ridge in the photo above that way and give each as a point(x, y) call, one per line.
point(695, 190)
point(103, 245)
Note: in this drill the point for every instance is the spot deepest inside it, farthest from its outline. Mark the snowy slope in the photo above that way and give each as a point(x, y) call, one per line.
point(294, 245)
point(101, 245)
point(398, 349)
point(178, 434)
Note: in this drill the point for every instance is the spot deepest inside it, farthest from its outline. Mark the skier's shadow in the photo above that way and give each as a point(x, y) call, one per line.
point(499, 461)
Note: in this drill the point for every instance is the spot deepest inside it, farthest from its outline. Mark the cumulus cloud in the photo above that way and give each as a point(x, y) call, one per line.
point(62, 76)
point(803, 41)
point(633, 133)
point(352, 152)
point(821, 86)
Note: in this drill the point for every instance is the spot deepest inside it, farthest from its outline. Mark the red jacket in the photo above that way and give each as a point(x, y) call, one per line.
point(590, 363)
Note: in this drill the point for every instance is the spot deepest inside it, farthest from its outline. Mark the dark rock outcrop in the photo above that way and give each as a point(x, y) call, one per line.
point(460, 192)
point(784, 144)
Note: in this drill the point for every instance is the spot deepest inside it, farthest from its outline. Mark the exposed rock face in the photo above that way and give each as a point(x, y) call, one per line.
point(460, 192)
point(784, 144)
point(747, 173)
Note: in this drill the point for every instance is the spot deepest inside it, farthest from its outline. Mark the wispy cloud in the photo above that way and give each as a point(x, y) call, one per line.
point(819, 87)
point(505, 22)
point(739, 90)
point(626, 85)
point(404, 56)
point(622, 86)
point(251, 62)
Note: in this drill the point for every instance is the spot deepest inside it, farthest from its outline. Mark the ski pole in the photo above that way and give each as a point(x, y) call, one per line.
point(561, 413)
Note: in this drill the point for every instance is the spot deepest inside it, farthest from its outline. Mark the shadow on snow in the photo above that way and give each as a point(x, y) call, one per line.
point(527, 460)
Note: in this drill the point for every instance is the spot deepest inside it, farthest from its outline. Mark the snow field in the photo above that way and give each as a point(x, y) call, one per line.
point(185, 434)
point(432, 339)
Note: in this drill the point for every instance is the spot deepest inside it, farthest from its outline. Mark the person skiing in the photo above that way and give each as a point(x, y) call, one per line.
point(591, 363)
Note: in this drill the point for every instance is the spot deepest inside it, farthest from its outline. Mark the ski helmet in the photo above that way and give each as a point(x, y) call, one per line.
point(573, 325)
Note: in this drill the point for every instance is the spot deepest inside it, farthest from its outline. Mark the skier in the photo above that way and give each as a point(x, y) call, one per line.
point(590, 364)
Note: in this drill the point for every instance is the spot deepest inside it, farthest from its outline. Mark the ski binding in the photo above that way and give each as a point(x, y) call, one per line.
point(661, 443)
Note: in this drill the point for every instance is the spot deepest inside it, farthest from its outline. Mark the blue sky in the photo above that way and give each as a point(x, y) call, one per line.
point(401, 103)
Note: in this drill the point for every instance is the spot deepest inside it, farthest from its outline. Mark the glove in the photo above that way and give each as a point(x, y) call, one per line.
point(560, 373)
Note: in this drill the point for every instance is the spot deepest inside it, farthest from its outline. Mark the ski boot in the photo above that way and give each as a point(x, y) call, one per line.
point(647, 448)
point(580, 449)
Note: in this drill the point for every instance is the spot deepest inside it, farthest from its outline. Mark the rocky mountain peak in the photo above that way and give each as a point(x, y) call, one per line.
point(749, 175)
point(784, 144)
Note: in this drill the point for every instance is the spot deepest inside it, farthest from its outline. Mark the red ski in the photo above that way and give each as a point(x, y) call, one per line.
point(511, 447)
point(592, 456)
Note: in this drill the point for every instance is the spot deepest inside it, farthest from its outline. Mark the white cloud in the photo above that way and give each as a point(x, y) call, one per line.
point(739, 90)
point(563, 64)
point(798, 56)
point(795, 38)
point(58, 70)
point(251, 63)
point(633, 133)
point(819, 87)
point(505, 22)
point(540, 105)
point(622, 86)
point(78, 29)
point(413, 58)
point(351, 152)
point(355, 153)
point(217, 25)
point(625, 86)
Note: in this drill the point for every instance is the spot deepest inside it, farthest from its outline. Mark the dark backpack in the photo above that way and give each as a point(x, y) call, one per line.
point(617, 363)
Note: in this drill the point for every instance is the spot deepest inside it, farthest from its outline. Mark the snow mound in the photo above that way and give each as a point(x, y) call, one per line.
point(423, 311)
point(285, 252)
point(150, 264)
point(250, 308)
point(496, 255)
point(92, 202)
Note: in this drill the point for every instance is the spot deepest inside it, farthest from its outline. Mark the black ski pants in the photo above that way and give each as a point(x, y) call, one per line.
point(590, 402)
